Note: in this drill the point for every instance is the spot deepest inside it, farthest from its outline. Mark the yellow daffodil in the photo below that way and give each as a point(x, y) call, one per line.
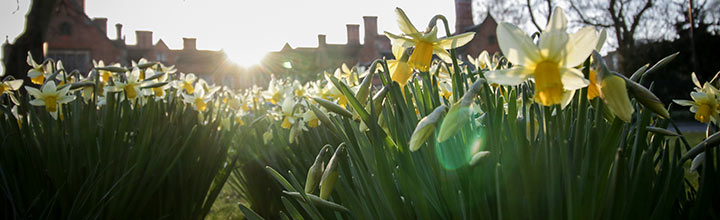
point(705, 102)
point(330, 92)
point(276, 91)
point(593, 89)
point(38, 72)
point(8, 85)
point(347, 75)
point(131, 85)
point(288, 112)
point(186, 82)
point(159, 92)
point(50, 97)
point(550, 63)
point(105, 74)
point(400, 71)
point(482, 62)
point(426, 44)
point(198, 99)
point(311, 119)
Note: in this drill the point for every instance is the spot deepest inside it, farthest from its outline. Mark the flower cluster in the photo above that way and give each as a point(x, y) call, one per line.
point(705, 103)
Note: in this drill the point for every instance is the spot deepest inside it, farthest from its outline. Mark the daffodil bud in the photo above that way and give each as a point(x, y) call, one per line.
point(331, 106)
point(116, 69)
point(661, 131)
point(614, 93)
point(322, 117)
point(364, 90)
point(330, 174)
point(316, 170)
point(425, 128)
point(613, 89)
point(477, 156)
point(459, 113)
point(647, 98)
point(697, 161)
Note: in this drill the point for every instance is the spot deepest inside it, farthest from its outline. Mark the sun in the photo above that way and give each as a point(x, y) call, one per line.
point(245, 58)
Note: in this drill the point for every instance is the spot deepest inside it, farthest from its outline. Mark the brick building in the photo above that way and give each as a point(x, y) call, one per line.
point(76, 39)
point(309, 60)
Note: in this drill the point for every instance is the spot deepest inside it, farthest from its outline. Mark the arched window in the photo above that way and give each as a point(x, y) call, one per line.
point(65, 28)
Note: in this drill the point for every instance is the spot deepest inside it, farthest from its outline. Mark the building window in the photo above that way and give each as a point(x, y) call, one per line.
point(491, 39)
point(160, 56)
point(72, 59)
point(65, 28)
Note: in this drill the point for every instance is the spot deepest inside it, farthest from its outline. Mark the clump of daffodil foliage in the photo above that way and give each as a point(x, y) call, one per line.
point(542, 130)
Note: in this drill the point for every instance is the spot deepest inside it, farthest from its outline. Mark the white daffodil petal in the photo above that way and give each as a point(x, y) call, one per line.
point(456, 41)
point(15, 84)
point(517, 46)
point(49, 87)
point(552, 45)
point(512, 76)
point(697, 96)
point(33, 91)
point(573, 79)
point(443, 54)
point(398, 51)
point(695, 80)
point(683, 102)
point(557, 21)
point(601, 40)
point(404, 23)
point(66, 99)
point(37, 102)
point(400, 41)
point(579, 46)
point(567, 98)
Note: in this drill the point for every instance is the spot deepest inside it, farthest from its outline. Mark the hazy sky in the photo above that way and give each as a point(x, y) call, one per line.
point(246, 30)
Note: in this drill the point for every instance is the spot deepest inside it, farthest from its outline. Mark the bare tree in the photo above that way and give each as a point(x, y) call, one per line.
point(626, 20)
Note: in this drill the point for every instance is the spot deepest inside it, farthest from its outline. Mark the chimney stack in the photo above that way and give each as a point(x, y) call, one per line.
point(189, 44)
point(118, 31)
point(463, 15)
point(353, 34)
point(81, 4)
point(321, 41)
point(144, 39)
point(370, 28)
point(101, 23)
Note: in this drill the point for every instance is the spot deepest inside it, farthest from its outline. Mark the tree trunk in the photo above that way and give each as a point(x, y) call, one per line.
point(36, 25)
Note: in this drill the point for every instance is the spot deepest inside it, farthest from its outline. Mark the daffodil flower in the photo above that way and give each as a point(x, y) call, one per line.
point(288, 112)
point(400, 71)
point(311, 119)
point(426, 44)
point(275, 92)
point(104, 74)
point(346, 74)
point(50, 97)
point(131, 86)
point(38, 72)
point(186, 82)
point(482, 61)
point(8, 85)
point(199, 100)
point(550, 63)
point(158, 92)
point(705, 102)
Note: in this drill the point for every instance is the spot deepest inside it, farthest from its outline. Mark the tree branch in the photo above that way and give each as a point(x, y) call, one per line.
point(532, 17)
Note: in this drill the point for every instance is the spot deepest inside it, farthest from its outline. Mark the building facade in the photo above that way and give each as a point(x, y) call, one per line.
point(77, 40)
